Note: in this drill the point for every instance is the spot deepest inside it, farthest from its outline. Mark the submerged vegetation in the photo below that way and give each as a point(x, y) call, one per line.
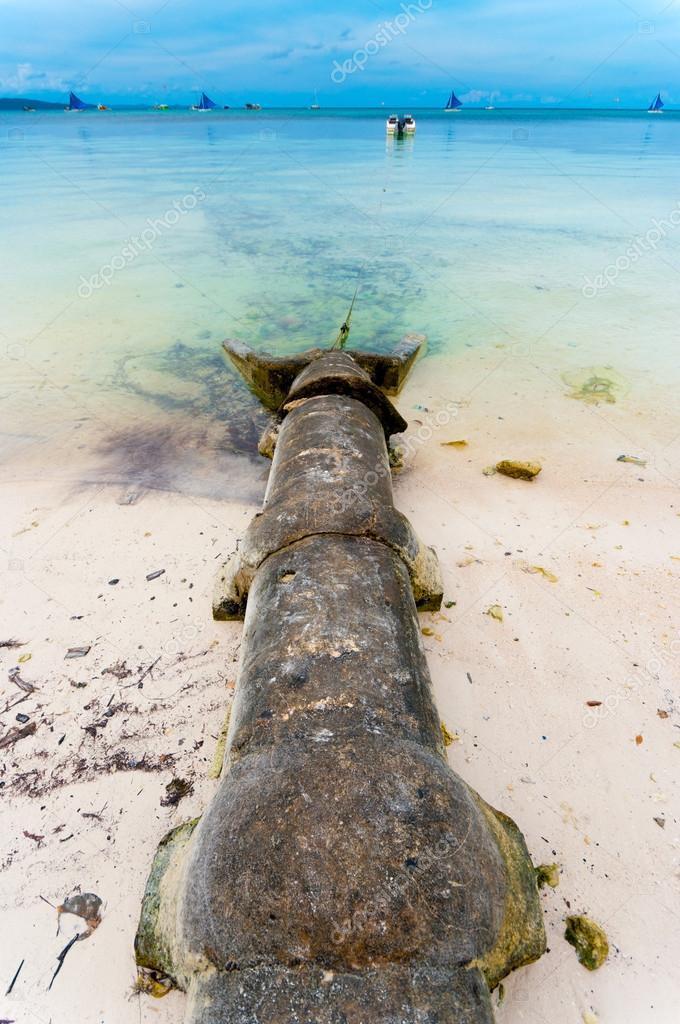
point(595, 384)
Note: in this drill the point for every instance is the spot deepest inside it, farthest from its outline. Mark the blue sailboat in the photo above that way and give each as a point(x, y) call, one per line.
point(657, 106)
point(205, 103)
point(75, 103)
point(453, 103)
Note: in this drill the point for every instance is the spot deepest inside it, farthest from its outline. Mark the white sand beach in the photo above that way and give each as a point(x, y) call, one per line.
point(583, 563)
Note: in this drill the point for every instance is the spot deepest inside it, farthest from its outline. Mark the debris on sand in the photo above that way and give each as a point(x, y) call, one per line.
point(547, 874)
point(11, 986)
point(539, 570)
point(83, 904)
point(14, 677)
point(154, 575)
point(589, 941)
point(175, 791)
point(518, 470)
point(454, 444)
point(36, 839)
point(78, 652)
point(633, 459)
point(119, 669)
point(496, 612)
point(10, 644)
point(13, 735)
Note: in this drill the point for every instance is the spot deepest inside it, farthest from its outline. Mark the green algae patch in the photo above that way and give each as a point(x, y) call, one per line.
point(150, 983)
point(153, 945)
point(589, 941)
point(595, 384)
point(448, 737)
point(521, 938)
point(518, 470)
point(217, 763)
point(548, 874)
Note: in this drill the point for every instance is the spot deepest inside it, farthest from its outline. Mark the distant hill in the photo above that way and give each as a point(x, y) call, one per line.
point(19, 104)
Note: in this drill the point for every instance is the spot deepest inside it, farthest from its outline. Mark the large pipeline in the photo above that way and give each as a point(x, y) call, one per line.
point(343, 873)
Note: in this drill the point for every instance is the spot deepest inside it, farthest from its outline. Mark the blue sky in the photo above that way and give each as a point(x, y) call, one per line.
point(514, 52)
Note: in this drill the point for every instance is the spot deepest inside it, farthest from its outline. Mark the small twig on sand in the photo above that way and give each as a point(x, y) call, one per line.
point(61, 958)
point(16, 975)
point(147, 671)
point(10, 644)
point(13, 703)
point(47, 902)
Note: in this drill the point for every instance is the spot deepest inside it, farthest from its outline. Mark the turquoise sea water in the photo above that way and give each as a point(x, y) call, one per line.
point(134, 242)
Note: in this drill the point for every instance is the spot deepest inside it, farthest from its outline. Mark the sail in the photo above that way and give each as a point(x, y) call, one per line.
point(206, 103)
point(74, 103)
point(453, 103)
point(658, 103)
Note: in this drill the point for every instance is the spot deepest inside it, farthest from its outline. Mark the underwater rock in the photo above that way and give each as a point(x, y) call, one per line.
point(589, 941)
point(518, 470)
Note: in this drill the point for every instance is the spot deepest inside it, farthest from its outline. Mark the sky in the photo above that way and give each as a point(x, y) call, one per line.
point(568, 53)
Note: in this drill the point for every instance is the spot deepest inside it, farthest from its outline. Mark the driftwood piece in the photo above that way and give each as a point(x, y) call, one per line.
point(343, 872)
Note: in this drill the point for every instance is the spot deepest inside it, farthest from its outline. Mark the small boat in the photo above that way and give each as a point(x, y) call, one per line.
point(657, 106)
point(253, 106)
point(75, 104)
point(453, 103)
point(489, 108)
point(205, 103)
point(400, 126)
point(315, 103)
point(162, 106)
point(102, 106)
point(30, 110)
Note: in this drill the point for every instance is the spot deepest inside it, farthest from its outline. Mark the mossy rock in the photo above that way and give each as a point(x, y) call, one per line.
point(518, 470)
point(153, 944)
point(589, 941)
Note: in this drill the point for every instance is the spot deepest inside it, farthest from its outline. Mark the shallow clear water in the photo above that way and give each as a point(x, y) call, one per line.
point(490, 227)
